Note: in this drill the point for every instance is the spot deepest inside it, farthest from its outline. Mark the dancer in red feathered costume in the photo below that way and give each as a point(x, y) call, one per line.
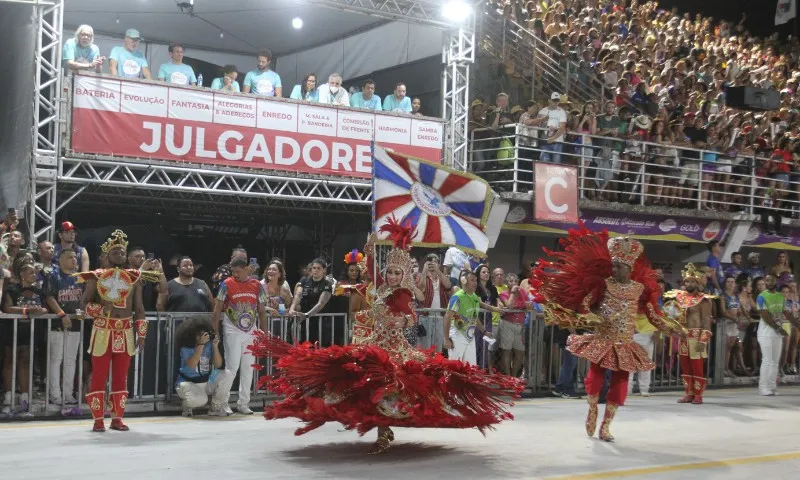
point(602, 285)
point(380, 380)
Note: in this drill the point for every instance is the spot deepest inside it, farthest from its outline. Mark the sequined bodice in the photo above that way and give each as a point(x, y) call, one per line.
point(619, 309)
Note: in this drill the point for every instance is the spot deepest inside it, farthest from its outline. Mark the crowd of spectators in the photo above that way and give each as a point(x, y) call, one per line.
point(128, 61)
point(662, 78)
point(454, 291)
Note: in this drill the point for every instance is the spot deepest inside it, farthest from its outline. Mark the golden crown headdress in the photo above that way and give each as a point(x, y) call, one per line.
point(401, 235)
point(118, 239)
point(624, 250)
point(692, 273)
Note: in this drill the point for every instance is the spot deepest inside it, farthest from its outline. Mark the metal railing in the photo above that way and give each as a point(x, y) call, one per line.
point(632, 171)
point(536, 62)
point(153, 372)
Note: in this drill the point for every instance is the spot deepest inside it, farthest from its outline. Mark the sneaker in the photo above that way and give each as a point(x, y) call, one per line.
point(7, 398)
point(217, 411)
point(244, 410)
point(645, 394)
point(187, 412)
point(55, 400)
point(70, 400)
point(556, 393)
point(23, 402)
point(227, 409)
point(571, 396)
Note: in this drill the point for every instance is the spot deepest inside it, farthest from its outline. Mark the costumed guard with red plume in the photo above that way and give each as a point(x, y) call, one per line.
point(380, 381)
point(600, 284)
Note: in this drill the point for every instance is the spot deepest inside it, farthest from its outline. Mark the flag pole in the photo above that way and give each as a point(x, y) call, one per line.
point(374, 226)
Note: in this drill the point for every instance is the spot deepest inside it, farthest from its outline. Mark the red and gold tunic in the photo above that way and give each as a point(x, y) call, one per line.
point(114, 285)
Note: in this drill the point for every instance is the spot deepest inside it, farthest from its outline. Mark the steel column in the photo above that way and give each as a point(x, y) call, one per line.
point(45, 123)
point(458, 54)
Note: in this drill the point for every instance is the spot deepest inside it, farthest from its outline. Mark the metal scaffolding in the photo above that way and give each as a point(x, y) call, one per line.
point(161, 185)
point(458, 55)
point(45, 125)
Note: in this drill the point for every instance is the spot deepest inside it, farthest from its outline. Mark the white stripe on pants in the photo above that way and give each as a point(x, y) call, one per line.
point(646, 341)
point(771, 344)
point(63, 348)
point(463, 348)
point(195, 395)
point(238, 358)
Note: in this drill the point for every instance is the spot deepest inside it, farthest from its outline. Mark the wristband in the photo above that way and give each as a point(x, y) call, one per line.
point(61, 314)
point(141, 328)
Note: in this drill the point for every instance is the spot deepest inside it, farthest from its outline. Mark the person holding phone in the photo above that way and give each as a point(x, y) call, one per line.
point(201, 372)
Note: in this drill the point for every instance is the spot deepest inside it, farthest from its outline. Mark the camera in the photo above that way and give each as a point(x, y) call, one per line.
point(211, 335)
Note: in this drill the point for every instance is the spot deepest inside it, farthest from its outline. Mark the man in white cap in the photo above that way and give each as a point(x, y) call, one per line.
point(128, 61)
point(556, 125)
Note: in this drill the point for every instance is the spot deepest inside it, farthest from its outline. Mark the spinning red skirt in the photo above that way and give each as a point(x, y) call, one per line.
point(364, 386)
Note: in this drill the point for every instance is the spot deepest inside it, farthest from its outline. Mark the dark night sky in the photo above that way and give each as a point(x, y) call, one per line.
point(760, 13)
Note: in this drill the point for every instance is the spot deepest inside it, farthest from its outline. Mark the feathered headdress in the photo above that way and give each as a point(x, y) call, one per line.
point(401, 235)
point(353, 256)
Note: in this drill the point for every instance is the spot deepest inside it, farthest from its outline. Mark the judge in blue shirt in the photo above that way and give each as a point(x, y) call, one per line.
point(398, 102)
point(175, 71)
point(227, 81)
point(366, 98)
point(306, 91)
point(263, 81)
point(128, 61)
point(80, 53)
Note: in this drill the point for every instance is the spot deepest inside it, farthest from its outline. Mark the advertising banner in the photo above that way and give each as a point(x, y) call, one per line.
point(788, 240)
point(556, 193)
point(647, 227)
point(140, 120)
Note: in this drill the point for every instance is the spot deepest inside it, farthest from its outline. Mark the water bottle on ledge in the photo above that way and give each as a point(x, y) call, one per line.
point(200, 80)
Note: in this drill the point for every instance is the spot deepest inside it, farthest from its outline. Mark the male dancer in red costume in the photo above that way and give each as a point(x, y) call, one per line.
point(111, 297)
point(693, 309)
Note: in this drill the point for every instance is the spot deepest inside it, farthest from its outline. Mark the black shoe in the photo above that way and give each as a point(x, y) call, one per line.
point(556, 393)
point(571, 396)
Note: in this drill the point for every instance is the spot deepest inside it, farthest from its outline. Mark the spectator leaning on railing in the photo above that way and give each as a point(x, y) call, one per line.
point(227, 82)
point(201, 371)
point(127, 60)
point(64, 295)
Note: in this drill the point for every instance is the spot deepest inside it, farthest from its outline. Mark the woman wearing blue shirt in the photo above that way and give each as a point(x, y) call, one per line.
point(228, 81)
point(201, 373)
point(306, 91)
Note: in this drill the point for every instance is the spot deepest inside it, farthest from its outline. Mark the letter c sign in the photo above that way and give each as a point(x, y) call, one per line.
point(556, 193)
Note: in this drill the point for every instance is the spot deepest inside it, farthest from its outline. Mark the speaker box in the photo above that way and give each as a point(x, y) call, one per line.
point(752, 98)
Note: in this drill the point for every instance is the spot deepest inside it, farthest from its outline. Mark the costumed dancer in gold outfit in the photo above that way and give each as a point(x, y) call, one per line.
point(380, 381)
point(112, 297)
point(601, 284)
point(692, 308)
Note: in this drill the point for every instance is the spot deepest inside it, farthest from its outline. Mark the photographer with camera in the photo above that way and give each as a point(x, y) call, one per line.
point(201, 373)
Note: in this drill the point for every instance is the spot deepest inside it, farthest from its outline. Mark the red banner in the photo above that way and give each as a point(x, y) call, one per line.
point(556, 193)
point(140, 120)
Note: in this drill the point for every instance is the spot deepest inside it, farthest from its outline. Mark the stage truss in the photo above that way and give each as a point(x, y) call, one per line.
point(156, 186)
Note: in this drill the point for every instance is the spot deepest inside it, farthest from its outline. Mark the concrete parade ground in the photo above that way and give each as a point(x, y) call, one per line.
point(735, 435)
